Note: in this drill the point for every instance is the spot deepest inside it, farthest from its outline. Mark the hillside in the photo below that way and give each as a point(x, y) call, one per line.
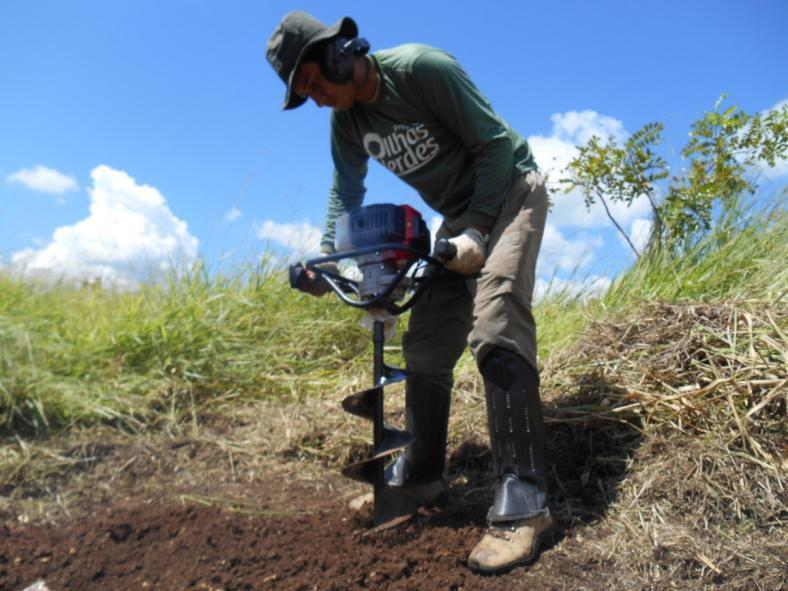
point(192, 438)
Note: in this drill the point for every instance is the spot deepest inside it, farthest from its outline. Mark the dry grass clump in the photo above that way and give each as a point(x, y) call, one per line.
point(701, 498)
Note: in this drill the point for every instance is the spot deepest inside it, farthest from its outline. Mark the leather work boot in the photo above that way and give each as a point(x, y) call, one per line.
point(509, 544)
point(417, 473)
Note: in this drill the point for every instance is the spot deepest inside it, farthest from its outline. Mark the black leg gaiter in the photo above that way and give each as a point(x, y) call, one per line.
point(514, 418)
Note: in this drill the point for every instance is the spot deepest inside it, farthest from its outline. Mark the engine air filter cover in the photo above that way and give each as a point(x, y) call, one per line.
point(383, 223)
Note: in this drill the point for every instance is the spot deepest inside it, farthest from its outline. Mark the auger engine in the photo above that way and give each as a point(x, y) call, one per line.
point(398, 235)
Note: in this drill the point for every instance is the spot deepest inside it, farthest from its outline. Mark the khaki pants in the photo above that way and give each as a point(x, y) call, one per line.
point(493, 310)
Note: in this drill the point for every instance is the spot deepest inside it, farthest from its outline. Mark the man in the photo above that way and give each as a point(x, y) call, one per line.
point(413, 109)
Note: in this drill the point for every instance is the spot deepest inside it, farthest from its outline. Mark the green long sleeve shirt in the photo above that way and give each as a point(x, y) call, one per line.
point(433, 128)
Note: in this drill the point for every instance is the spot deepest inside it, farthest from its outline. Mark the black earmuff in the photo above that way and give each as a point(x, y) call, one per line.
point(337, 63)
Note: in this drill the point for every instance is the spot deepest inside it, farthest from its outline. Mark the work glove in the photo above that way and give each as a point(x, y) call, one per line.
point(311, 282)
point(470, 252)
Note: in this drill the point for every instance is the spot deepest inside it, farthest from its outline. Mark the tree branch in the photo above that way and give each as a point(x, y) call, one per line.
point(620, 229)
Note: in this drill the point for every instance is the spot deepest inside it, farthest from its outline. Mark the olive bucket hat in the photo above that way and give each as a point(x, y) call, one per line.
point(291, 41)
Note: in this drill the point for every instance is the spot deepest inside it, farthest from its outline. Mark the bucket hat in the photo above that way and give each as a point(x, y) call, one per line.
point(291, 41)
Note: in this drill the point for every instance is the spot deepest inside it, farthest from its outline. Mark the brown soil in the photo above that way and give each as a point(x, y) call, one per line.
point(161, 513)
point(194, 547)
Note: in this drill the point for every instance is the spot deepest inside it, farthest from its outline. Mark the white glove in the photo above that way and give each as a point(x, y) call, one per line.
point(471, 249)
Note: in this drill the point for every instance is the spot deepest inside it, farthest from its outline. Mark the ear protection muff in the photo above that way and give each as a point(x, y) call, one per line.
point(337, 62)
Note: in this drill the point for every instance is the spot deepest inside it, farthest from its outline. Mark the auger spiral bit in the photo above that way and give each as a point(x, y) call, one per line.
point(361, 403)
point(390, 508)
point(389, 244)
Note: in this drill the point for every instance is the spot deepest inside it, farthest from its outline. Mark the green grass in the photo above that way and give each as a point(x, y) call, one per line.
point(75, 355)
point(745, 260)
point(78, 355)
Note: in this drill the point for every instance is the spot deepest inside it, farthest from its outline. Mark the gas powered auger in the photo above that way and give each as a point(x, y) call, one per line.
point(390, 245)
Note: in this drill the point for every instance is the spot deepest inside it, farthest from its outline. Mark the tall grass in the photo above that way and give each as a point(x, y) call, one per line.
point(745, 258)
point(80, 354)
point(75, 355)
point(742, 258)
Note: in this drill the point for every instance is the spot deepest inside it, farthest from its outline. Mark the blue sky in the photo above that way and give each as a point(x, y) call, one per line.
point(134, 133)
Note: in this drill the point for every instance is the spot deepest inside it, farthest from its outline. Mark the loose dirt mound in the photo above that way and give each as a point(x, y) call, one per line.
point(207, 548)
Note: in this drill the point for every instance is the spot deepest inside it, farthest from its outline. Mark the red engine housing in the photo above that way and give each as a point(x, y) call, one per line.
point(383, 224)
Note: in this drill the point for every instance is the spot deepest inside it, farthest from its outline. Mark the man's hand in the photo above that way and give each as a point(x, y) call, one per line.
point(470, 255)
point(311, 282)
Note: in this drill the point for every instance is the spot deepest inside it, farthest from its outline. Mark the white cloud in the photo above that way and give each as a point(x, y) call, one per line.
point(592, 286)
point(43, 179)
point(560, 253)
point(570, 210)
point(639, 233)
point(129, 235)
point(578, 127)
point(554, 152)
point(571, 129)
point(303, 238)
point(232, 215)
